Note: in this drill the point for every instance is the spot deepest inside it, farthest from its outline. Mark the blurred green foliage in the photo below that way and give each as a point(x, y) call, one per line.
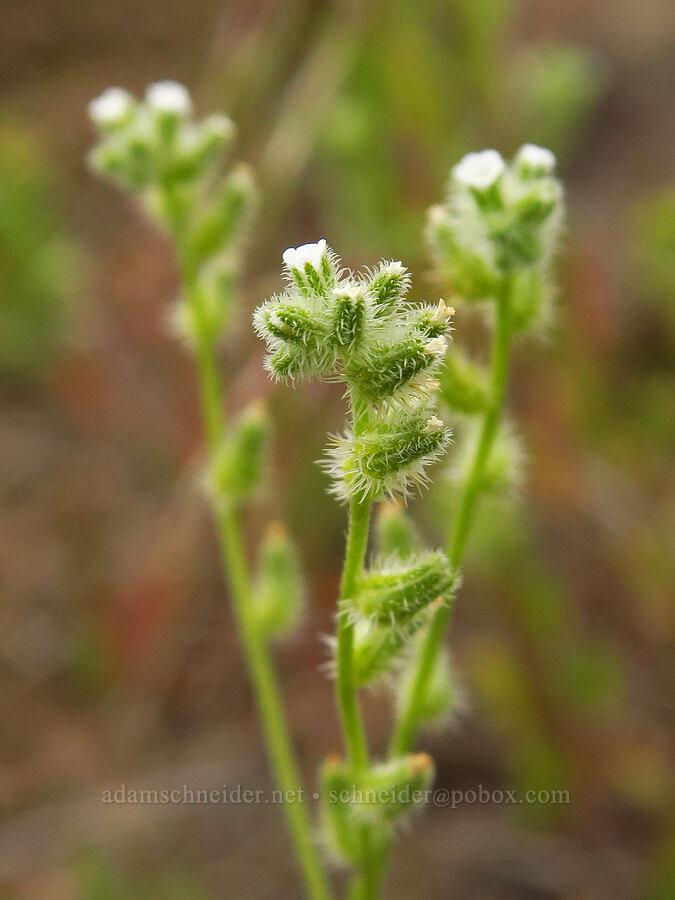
point(39, 265)
point(98, 877)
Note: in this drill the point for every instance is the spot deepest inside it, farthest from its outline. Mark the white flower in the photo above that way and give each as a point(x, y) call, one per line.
point(169, 97)
point(479, 170)
point(110, 107)
point(297, 257)
point(537, 159)
point(396, 268)
point(443, 312)
point(433, 424)
point(219, 125)
point(437, 215)
point(437, 346)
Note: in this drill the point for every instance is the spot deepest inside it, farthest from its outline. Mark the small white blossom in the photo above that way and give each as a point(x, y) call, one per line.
point(169, 97)
point(537, 159)
point(112, 106)
point(443, 312)
point(433, 424)
point(297, 257)
point(396, 268)
point(437, 215)
point(437, 346)
point(479, 170)
point(219, 125)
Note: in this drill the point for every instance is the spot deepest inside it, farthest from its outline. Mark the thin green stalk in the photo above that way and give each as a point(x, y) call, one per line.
point(407, 720)
point(352, 724)
point(258, 658)
point(356, 742)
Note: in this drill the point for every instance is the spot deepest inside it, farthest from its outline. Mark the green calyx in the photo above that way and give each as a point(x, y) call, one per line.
point(277, 592)
point(394, 593)
point(236, 469)
point(377, 799)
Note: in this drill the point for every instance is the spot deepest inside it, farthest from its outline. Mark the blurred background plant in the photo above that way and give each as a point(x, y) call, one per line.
point(118, 656)
point(40, 266)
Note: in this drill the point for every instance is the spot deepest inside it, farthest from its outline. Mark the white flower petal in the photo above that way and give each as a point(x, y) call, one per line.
point(169, 97)
point(297, 257)
point(538, 159)
point(437, 346)
point(479, 170)
point(111, 106)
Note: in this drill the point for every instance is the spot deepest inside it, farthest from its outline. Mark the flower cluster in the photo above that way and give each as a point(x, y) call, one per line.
point(152, 141)
point(494, 239)
point(154, 147)
point(362, 331)
point(379, 799)
point(500, 220)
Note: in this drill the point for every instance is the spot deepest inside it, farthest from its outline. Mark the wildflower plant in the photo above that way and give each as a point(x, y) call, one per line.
point(174, 164)
point(362, 331)
point(492, 242)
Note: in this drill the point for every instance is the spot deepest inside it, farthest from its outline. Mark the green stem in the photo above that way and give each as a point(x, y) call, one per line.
point(352, 724)
point(258, 659)
point(408, 717)
point(363, 886)
point(407, 720)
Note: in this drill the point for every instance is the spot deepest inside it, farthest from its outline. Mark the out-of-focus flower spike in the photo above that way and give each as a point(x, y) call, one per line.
point(236, 470)
point(277, 592)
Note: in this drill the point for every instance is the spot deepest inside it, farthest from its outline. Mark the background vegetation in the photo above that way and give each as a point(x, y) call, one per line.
point(118, 658)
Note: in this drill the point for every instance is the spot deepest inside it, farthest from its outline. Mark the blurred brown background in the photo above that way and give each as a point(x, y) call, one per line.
point(118, 660)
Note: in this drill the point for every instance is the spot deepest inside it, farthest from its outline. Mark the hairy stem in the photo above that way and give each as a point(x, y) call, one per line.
point(356, 743)
point(258, 658)
point(352, 724)
point(408, 717)
point(407, 720)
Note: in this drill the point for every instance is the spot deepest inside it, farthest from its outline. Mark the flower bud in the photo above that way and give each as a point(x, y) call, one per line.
point(112, 109)
point(532, 299)
point(376, 799)
point(236, 470)
point(387, 286)
point(288, 322)
point(534, 162)
point(386, 460)
point(434, 321)
point(394, 532)
point(503, 469)
point(464, 386)
point(340, 829)
point(223, 221)
point(479, 171)
point(468, 268)
point(208, 312)
point(311, 268)
point(126, 157)
point(277, 594)
point(349, 318)
point(440, 694)
point(395, 592)
point(388, 790)
point(391, 367)
point(378, 649)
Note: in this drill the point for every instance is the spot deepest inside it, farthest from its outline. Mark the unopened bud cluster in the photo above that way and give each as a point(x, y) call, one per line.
point(155, 148)
point(500, 221)
point(361, 330)
point(380, 798)
point(493, 240)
